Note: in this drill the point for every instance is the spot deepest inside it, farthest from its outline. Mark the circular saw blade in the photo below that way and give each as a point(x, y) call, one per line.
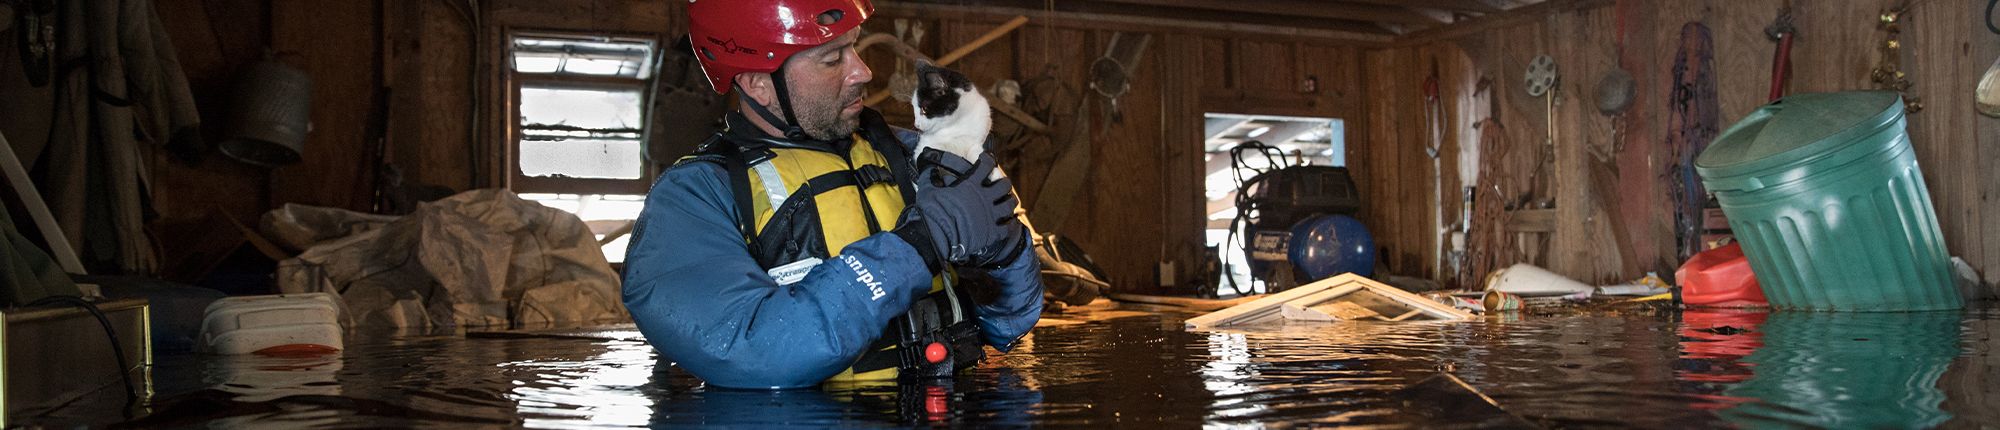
point(1541, 75)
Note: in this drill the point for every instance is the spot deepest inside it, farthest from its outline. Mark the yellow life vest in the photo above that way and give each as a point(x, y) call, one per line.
point(840, 210)
point(794, 190)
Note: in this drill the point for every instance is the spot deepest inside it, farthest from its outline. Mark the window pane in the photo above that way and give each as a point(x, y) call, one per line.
point(606, 159)
point(536, 63)
point(596, 67)
point(588, 55)
point(585, 108)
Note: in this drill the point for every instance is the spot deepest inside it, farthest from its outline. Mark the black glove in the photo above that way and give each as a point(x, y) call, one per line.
point(964, 213)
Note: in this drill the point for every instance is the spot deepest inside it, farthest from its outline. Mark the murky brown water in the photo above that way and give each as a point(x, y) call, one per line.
point(1591, 369)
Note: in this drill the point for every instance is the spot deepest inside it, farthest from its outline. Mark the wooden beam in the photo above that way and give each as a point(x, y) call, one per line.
point(1451, 5)
point(1436, 14)
point(1516, 16)
point(1131, 22)
point(1341, 11)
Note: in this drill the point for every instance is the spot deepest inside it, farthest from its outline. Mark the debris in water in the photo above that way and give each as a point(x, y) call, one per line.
point(1445, 398)
point(1724, 330)
point(1343, 297)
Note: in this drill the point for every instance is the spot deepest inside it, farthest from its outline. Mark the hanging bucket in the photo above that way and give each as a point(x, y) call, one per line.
point(273, 109)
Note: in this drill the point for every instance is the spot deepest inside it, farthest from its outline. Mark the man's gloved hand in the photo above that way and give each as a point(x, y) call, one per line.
point(964, 213)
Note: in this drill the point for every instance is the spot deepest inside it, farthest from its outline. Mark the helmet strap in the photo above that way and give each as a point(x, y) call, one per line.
point(790, 122)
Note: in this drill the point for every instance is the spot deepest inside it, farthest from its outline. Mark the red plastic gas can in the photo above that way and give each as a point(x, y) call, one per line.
point(1720, 277)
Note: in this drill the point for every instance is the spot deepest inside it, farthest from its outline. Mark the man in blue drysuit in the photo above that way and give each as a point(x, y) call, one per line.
point(809, 244)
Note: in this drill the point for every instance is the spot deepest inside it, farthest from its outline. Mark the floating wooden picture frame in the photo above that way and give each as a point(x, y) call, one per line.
point(1386, 302)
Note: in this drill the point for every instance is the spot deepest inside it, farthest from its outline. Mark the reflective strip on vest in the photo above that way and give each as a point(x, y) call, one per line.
point(774, 184)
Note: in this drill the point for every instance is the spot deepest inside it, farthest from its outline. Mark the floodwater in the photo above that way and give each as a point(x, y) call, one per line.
point(1124, 368)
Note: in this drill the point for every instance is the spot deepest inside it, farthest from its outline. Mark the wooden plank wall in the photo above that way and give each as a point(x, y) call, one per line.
point(1393, 164)
point(1143, 201)
point(413, 59)
point(391, 80)
point(1948, 48)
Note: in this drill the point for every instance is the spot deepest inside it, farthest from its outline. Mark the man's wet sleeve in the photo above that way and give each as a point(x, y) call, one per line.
point(1004, 320)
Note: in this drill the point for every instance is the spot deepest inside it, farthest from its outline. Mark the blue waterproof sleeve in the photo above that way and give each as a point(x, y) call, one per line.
point(702, 301)
point(1019, 306)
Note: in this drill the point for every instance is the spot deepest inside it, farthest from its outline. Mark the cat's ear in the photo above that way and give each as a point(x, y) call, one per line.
point(933, 79)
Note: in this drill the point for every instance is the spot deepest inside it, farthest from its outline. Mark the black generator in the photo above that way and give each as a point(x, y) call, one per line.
point(1276, 198)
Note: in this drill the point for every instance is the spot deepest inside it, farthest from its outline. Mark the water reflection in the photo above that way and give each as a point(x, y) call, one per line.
point(613, 383)
point(257, 378)
point(1848, 370)
point(1647, 370)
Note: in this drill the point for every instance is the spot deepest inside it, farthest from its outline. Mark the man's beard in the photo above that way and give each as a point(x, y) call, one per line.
point(825, 119)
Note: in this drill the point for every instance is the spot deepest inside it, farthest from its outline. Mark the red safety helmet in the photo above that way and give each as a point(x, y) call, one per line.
point(732, 37)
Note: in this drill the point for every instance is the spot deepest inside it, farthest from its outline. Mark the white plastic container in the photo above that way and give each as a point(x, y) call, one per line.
point(1527, 280)
point(296, 322)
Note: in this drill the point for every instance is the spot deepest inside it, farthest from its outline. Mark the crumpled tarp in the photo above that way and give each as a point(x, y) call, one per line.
point(479, 258)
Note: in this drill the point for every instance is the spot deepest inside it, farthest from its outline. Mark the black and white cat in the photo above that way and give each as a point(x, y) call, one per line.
point(952, 115)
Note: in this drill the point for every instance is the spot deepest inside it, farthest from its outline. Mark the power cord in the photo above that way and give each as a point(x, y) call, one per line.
point(124, 370)
point(1274, 160)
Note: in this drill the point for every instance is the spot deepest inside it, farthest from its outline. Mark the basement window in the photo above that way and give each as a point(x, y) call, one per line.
point(579, 112)
point(578, 126)
point(580, 132)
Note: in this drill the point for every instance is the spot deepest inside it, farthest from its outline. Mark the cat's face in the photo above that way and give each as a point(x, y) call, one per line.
point(938, 90)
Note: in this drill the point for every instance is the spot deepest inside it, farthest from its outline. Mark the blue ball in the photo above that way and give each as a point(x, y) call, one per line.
point(1329, 245)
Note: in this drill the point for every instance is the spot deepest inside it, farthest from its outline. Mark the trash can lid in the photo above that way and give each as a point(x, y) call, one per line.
point(1796, 129)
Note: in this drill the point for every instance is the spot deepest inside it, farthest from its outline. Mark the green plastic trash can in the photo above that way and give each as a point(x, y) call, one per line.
point(1824, 193)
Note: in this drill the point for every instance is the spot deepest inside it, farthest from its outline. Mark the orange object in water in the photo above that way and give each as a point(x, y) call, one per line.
point(1720, 277)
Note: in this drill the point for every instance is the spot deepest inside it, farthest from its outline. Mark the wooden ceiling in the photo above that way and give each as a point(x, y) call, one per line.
point(1384, 17)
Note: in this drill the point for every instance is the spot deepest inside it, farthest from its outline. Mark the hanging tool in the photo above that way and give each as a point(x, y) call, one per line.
point(1987, 97)
point(1888, 73)
point(1542, 82)
point(1781, 31)
point(37, 28)
point(1111, 74)
point(1615, 91)
point(1434, 124)
point(1614, 96)
point(1693, 119)
point(1469, 160)
point(1541, 76)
